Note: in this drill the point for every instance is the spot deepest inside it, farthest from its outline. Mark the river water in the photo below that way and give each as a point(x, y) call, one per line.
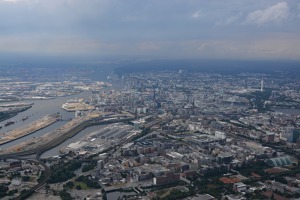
point(41, 108)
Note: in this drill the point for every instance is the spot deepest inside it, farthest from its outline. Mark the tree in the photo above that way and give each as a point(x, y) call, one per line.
point(25, 178)
point(69, 184)
point(78, 187)
point(3, 190)
point(272, 196)
point(65, 195)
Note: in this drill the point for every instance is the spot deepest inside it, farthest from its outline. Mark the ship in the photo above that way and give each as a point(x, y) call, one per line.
point(9, 123)
point(24, 118)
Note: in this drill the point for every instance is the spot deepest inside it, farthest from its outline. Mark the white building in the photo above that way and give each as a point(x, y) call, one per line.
point(239, 187)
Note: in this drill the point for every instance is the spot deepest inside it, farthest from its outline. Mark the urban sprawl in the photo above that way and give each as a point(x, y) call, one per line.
point(161, 135)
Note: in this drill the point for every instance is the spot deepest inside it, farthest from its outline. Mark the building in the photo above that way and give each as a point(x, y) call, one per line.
point(224, 158)
point(168, 177)
point(100, 165)
point(16, 164)
point(294, 136)
point(286, 133)
point(279, 161)
point(136, 125)
point(270, 137)
point(239, 187)
point(16, 182)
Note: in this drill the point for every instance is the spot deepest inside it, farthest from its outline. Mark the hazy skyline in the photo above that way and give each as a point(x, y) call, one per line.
point(215, 29)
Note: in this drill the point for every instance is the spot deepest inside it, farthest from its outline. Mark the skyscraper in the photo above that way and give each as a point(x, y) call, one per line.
point(294, 136)
point(262, 85)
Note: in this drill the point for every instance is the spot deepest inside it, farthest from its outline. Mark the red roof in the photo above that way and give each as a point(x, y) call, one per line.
point(227, 180)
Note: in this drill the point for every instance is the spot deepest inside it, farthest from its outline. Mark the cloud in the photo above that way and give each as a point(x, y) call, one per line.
point(148, 46)
point(273, 14)
point(10, 1)
point(197, 14)
point(16, 1)
point(230, 20)
point(152, 27)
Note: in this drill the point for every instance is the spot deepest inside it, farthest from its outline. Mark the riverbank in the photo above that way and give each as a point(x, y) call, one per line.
point(56, 137)
point(28, 129)
point(5, 115)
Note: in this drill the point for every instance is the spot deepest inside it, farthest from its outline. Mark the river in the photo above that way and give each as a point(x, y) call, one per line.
point(41, 108)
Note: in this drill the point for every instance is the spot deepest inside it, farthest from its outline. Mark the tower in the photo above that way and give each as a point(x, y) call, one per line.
point(100, 166)
point(262, 85)
point(294, 136)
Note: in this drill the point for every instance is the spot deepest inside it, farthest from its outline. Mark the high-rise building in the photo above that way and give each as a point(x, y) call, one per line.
point(262, 85)
point(136, 125)
point(294, 136)
point(286, 133)
point(100, 165)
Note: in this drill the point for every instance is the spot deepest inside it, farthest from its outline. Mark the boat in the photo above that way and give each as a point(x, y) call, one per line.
point(24, 118)
point(9, 123)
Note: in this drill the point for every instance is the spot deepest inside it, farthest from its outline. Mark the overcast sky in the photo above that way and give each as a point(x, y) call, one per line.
point(249, 29)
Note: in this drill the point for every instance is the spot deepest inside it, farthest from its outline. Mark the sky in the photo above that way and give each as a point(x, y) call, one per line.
point(204, 29)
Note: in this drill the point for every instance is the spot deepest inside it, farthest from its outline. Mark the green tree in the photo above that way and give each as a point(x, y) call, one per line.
point(25, 178)
point(64, 195)
point(78, 187)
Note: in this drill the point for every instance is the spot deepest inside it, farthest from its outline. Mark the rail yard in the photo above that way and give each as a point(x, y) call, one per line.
point(100, 140)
